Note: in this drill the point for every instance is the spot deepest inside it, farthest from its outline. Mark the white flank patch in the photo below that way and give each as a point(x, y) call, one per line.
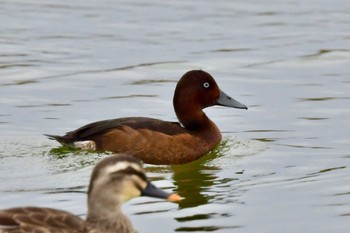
point(85, 145)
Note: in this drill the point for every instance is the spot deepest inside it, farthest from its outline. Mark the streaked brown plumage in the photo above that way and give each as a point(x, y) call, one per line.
point(160, 142)
point(114, 180)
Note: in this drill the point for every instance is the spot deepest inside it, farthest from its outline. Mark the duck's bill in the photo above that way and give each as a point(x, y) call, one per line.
point(153, 191)
point(225, 100)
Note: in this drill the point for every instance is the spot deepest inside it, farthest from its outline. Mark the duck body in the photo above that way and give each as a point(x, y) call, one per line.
point(39, 219)
point(114, 180)
point(48, 220)
point(153, 141)
point(161, 142)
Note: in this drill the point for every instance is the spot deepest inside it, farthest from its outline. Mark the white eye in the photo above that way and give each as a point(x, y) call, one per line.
point(206, 85)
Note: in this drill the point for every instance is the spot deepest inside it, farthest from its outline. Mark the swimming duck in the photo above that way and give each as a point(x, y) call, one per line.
point(114, 180)
point(161, 142)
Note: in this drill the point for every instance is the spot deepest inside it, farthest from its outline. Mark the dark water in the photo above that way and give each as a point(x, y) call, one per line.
point(284, 166)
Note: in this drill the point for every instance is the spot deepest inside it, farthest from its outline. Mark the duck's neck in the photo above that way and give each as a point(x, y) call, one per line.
point(193, 119)
point(108, 220)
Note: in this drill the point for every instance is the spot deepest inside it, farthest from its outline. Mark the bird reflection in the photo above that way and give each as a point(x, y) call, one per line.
point(194, 179)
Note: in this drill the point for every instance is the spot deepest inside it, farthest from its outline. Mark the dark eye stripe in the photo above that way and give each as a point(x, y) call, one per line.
point(130, 171)
point(138, 186)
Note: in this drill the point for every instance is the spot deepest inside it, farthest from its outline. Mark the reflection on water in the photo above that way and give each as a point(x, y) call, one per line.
point(193, 182)
point(196, 182)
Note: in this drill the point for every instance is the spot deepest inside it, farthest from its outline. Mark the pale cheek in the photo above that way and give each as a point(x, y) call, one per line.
point(129, 193)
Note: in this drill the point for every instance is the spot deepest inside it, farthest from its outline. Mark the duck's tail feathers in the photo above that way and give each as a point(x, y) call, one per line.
point(60, 139)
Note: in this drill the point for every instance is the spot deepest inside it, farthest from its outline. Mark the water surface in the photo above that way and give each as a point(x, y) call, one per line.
point(284, 166)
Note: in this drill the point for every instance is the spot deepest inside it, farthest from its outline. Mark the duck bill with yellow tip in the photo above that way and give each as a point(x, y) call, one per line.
point(153, 191)
point(228, 101)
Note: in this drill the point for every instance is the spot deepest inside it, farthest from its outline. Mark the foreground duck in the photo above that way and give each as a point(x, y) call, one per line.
point(114, 180)
point(161, 142)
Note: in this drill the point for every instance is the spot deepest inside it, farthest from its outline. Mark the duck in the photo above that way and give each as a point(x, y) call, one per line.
point(155, 141)
point(114, 180)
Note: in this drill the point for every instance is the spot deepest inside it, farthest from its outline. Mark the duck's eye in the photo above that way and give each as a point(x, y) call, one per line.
point(206, 85)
